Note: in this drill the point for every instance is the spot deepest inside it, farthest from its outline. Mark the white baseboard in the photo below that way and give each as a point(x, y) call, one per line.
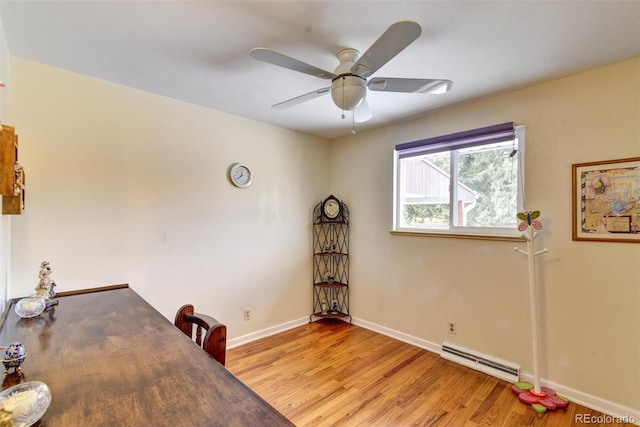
point(244, 339)
point(593, 402)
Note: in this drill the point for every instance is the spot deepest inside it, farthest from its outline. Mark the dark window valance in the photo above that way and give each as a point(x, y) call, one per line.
point(481, 136)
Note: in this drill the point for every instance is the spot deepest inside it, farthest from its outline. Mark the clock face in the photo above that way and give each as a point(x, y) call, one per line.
point(240, 175)
point(331, 208)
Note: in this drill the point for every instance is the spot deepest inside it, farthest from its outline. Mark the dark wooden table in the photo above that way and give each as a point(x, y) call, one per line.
point(110, 359)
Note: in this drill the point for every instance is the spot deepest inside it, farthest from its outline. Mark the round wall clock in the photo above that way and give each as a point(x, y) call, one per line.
point(240, 175)
point(331, 207)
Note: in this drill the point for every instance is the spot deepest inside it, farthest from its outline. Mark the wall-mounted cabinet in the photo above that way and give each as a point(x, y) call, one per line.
point(12, 177)
point(330, 260)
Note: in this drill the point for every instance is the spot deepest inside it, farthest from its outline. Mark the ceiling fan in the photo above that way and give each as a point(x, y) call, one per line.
point(349, 82)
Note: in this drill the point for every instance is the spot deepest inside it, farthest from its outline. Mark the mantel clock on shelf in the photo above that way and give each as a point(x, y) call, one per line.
point(330, 260)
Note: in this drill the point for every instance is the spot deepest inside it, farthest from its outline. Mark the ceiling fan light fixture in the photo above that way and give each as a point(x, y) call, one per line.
point(348, 92)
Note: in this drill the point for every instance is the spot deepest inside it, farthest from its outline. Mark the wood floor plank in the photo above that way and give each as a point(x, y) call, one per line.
point(331, 373)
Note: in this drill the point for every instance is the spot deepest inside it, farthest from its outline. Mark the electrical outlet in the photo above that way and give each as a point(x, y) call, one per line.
point(452, 327)
point(247, 314)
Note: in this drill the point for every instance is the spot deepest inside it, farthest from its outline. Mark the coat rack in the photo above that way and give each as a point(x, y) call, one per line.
point(540, 398)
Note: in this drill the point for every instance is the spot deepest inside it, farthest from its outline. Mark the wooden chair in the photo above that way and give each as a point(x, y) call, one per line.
point(215, 337)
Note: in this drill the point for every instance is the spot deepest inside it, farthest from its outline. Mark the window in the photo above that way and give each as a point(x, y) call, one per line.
point(464, 183)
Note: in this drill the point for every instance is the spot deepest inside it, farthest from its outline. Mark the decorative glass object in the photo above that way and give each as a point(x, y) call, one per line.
point(325, 307)
point(30, 307)
point(27, 402)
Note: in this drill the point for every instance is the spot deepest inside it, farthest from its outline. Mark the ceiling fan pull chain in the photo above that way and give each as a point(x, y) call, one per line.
point(353, 122)
point(343, 116)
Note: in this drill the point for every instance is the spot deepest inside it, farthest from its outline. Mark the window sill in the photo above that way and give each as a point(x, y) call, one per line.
point(495, 237)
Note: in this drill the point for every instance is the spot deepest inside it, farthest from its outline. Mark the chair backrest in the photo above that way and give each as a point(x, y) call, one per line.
point(214, 341)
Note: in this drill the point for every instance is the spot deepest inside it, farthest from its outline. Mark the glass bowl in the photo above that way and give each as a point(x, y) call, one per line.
point(28, 401)
point(30, 307)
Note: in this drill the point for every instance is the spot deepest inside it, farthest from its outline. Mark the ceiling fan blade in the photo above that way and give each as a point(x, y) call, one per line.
point(389, 84)
point(397, 37)
point(362, 113)
point(281, 60)
point(300, 99)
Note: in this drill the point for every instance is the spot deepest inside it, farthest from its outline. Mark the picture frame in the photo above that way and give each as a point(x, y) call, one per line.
point(606, 200)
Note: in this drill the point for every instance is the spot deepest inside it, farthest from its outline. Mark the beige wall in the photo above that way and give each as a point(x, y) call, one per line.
point(590, 291)
point(128, 187)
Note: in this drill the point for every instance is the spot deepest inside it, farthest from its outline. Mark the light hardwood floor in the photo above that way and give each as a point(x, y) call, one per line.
point(331, 373)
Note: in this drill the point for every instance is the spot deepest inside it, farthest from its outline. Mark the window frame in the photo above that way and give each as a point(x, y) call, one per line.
point(491, 233)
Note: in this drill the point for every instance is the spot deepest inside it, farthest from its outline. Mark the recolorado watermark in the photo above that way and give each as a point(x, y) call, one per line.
point(604, 419)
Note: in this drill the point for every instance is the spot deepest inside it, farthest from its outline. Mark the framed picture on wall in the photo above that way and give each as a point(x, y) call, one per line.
point(606, 200)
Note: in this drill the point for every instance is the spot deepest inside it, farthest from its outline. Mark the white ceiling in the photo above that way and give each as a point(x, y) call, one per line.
point(198, 51)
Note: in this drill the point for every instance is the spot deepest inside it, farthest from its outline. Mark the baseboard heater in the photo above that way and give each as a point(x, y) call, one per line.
point(480, 362)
